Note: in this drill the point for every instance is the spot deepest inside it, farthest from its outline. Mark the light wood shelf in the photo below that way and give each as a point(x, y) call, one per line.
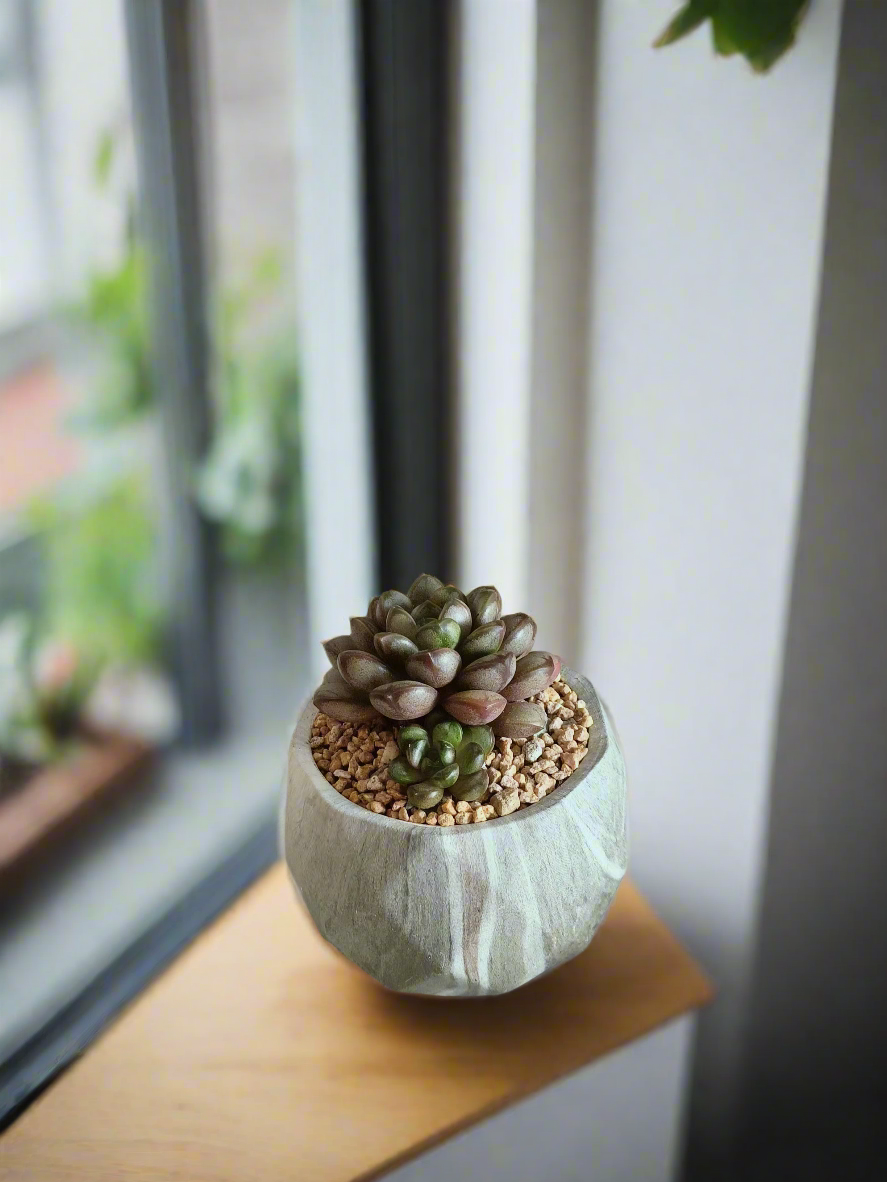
point(262, 1054)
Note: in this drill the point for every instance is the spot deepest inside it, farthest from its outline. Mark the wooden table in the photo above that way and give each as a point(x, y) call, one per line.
point(263, 1056)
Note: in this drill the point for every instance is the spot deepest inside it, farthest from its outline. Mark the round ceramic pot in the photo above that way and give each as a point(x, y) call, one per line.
point(468, 910)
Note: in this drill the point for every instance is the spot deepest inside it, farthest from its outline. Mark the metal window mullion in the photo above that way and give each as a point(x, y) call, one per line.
point(404, 61)
point(162, 42)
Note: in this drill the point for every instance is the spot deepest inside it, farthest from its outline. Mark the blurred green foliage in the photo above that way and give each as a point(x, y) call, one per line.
point(101, 593)
point(250, 480)
point(113, 316)
point(760, 30)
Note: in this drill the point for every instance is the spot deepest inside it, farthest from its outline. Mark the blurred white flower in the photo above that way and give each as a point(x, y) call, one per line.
point(138, 702)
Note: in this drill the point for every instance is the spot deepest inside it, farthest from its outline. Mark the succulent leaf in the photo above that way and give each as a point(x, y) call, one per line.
point(415, 751)
point(364, 671)
point(485, 604)
point(392, 646)
point(333, 679)
point(338, 644)
point(335, 703)
point(371, 609)
point(454, 590)
point(470, 759)
point(489, 673)
point(445, 777)
point(483, 641)
point(425, 611)
point(482, 735)
point(437, 715)
point(459, 611)
point(534, 673)
point(407, 734)
point(437, 666)
point(471, 787)
point(520, 720)
point(446, 752)
point(403, 701)
point(400, 620)
point(403, 773)
point(388, 600)
point(362, 633)
point(423, 588)
point(425, 795)
point(474, 707)
point(447, 732)
point(438, 634)
point(520, 633)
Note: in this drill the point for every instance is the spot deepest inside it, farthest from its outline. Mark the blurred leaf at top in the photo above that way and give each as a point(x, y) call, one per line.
point(760, 30)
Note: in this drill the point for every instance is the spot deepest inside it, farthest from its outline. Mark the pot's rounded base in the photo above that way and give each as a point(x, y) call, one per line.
point(467, 911)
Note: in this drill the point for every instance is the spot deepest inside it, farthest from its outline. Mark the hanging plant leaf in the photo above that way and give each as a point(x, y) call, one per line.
point(761, 30)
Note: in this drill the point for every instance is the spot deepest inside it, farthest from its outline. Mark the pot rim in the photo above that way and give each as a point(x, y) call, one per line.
point(583, 687)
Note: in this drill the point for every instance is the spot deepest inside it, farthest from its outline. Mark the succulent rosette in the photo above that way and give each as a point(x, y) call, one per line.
point(437, 652)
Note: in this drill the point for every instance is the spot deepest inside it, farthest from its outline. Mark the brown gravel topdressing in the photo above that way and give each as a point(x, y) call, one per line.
point(354, 759)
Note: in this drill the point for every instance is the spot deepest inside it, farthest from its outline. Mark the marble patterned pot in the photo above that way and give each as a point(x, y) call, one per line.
point(469, 910)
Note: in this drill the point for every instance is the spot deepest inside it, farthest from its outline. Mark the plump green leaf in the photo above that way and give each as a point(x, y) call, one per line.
point(446, 752)
point(489, 673)
point(485, 604)
point(451, 631)
point(403, 701)
point(371, 610)
point(425, 611)
point(436, 667)
point(445, 777)
point(438, 634)
point(475, 707)
point(408, 734)
point(447, 732)
point(400, 620)
point(425, 795)
point(482, 735)
point(423, 588)
point(520, 720)
point(403, 773)
point(364, 671)
point(415, 751)
point(534, 673)
point(520, 633)
point(482, 641)
point(470, 758)
point(337, 645)
point(437, 715)
point(392, 646)
point(471, 787)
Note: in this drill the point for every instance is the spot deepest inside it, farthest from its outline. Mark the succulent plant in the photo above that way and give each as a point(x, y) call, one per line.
point(442, 756)
point(435, 648)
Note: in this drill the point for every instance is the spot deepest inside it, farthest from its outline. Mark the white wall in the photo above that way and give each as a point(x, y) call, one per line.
point(83, 62)
point(818, 1029)
point(709, 193)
